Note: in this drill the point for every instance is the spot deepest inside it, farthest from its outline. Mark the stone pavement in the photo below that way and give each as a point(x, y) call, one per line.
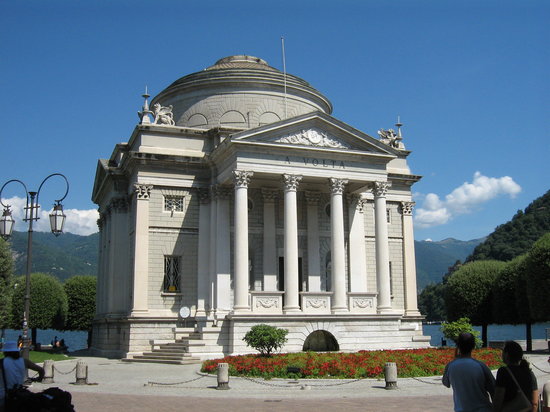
point(123, 386)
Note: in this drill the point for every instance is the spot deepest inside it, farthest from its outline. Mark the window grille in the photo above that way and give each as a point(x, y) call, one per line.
point(174, 203)
point(388, 215)
point(171, 274)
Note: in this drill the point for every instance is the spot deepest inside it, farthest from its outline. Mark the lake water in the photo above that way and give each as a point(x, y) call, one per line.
point(77, 340)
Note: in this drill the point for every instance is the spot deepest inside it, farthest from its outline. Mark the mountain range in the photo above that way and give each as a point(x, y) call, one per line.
point(69, 255)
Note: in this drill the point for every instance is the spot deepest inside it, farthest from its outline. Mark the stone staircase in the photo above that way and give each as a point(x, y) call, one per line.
point(176, 352)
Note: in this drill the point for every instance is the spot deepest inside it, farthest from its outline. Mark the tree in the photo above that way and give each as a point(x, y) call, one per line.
point(48, 303)
point(538, 278)
point(6, 273)
point(431, 301)
point(451, 330)
point(510, 303)
point(81, 293)
point(468, 292)
point(265, 338)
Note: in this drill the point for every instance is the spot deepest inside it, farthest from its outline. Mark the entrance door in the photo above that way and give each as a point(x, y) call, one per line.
point(281, 277)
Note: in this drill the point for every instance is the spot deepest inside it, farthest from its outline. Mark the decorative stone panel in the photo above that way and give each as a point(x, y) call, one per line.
point(362, 302)
point(316, 302)
point(267, 302)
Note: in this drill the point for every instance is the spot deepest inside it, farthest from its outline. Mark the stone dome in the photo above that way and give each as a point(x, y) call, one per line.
point(239, 92)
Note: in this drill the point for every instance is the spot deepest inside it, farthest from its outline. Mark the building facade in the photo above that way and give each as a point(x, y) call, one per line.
point(240, 200)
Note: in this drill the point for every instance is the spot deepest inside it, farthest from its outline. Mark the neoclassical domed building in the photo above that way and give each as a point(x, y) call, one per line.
point(240, 200)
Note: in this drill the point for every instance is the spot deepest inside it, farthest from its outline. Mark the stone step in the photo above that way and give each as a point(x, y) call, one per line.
point(188, 361)
point(160, 355)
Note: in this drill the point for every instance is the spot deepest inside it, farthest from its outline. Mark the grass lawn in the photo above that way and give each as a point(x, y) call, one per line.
point(362, 364)
point(39, 357)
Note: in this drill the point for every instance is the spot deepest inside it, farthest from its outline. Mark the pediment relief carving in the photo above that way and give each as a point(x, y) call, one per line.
point(313, 137)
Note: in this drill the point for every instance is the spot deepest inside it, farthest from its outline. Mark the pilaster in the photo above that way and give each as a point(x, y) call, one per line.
point(409, 260)
point(380, 190)
point(140, 304)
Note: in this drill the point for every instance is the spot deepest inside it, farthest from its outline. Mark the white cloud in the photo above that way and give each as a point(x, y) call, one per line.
point(464, 199)
point(79, 222)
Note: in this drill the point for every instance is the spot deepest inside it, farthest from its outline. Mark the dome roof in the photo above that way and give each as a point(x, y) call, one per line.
point(240, 92)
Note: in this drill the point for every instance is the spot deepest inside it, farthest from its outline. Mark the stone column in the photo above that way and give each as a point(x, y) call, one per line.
point(204, 257)
point(382, 248)
point(242, 179)
point(409, 261)
point(339, 287)
point(291, 243)
point(213, 273)
point(270, 245)
point(357, 249)
point(140, 304)
point(223, 250)
point(119, 245)
point(104, 252)
point(313, 248)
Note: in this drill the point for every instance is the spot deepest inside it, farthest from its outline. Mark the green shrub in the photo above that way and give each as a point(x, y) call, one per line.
point(451, 330)
point(265, 338)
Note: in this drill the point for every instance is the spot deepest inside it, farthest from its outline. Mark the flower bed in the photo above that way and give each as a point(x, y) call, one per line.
point(362, 364)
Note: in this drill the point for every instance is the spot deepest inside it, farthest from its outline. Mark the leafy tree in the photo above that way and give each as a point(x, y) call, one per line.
point(468, 293)
point(48, 303)
point(431, 301)
point(516, 237)
point(81, 293)
point(6, 272)
point(510, 303)
point(538, 278)
point(265, 338)
point(451, 330)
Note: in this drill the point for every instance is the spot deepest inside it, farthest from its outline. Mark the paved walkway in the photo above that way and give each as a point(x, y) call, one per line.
point(121, 386)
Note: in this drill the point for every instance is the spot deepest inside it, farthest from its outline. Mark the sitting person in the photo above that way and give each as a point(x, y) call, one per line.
point(13, 369)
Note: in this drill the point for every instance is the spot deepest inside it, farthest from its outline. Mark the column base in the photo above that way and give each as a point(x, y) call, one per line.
point(413, 313)
point(385, 310)
point(292, 309)
point(339, 309)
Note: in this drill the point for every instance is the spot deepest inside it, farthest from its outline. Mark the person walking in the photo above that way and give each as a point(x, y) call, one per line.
point(516, 386)
point(13, 370)
point(472, 381)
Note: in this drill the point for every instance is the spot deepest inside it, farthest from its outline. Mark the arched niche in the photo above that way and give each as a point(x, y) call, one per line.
point(321, 341)
point(233, 118)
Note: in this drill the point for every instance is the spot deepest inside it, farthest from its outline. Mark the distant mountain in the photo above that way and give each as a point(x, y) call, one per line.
point(64, 256)
point(434, 258)
point(516, 236)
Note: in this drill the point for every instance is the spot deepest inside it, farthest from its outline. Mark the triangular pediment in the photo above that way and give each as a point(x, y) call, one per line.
point(317, 131)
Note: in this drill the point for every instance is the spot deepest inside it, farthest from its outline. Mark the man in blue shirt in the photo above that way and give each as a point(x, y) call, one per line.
point(471, 380)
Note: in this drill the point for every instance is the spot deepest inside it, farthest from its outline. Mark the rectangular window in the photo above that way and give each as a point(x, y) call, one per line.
point(171, 274)
point(174, 203)
point(391, 282)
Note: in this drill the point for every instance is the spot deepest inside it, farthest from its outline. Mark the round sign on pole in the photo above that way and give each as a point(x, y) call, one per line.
point(185, 312)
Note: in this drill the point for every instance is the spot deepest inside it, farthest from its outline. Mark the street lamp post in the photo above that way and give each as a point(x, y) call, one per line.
point(57, 220)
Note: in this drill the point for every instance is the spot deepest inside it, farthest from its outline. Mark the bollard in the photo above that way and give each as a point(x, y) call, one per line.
point(48, 371)
point(390, 374)
point(81, 373)
point(223, 376)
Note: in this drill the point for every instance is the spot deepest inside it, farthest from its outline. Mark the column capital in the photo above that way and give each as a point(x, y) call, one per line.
point(312, 197)
point(143, 191)
point(242, 177)
point(269, 195)
point(357, 201)
point(407, 208)
point(380, 189)
point(291, 182)
point(221, 192)
point(204, 195)
point(337, 185)
point(119, 204)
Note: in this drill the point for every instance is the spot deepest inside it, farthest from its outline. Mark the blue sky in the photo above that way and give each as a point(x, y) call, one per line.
point(469, 79)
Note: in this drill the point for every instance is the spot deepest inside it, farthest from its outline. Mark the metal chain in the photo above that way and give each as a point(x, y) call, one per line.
point(542, 370)
point(64, 373)
point(150, 383)
point(431, 383)
point(291, 386)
